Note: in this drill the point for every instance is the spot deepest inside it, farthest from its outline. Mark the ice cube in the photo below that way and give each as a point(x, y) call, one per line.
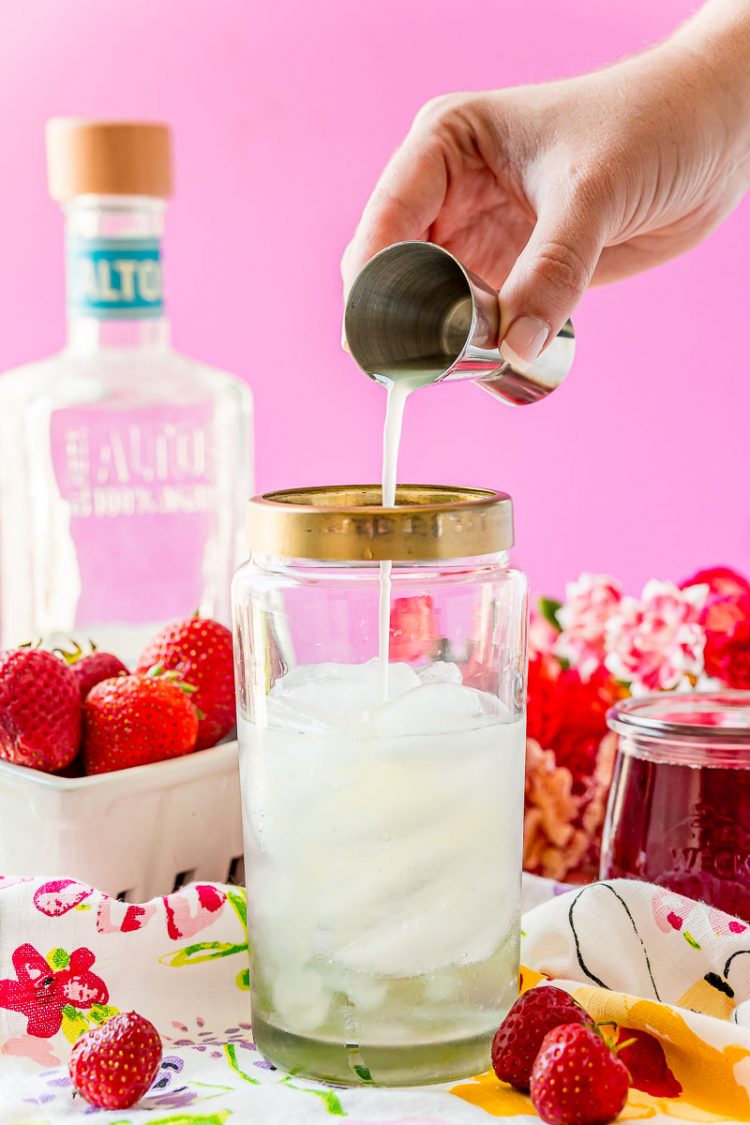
point(363, 990)
point(300, 999)
point(441, 672)
point(436, 708)
point(334, 696)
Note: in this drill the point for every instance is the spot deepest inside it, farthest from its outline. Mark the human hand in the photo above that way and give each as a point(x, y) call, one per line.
point(543, 189)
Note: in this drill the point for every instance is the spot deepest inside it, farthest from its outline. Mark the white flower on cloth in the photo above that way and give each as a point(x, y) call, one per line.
point(656, 643)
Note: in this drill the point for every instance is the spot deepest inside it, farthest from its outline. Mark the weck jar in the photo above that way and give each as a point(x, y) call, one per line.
point(679, 806)
point(383, 802)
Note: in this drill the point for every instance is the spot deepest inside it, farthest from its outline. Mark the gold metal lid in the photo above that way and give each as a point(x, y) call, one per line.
point(107, 158)
point(346, 523)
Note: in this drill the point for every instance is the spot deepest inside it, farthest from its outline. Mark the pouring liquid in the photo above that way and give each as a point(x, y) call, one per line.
point(399, 386)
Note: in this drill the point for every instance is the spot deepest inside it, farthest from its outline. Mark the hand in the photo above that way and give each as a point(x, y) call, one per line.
point(541, 190)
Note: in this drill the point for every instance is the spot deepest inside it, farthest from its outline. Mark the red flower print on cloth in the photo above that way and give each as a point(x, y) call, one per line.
point(647, 1063)
point(41, 993)
point(115, 917)
point(59, 896)
point(186, 917)
point(187, 912)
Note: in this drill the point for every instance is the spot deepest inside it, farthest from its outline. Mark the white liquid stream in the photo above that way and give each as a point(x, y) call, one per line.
point(398, 392)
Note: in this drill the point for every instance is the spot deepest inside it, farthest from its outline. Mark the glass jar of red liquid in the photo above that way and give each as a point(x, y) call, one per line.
point(679, 807)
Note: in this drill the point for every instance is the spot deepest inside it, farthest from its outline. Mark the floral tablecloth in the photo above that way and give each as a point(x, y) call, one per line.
point(671, 974)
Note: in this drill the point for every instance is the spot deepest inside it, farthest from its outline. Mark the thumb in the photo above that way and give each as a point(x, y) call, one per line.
point(549, 277)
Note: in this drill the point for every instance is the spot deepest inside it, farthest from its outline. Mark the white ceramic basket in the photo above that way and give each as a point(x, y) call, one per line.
point(133, 833)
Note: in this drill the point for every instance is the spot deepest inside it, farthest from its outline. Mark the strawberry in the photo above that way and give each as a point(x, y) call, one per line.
point(40, 710)
point(520, 1035)
point(201, 651)
point(113, 1065)
point(90, 668)
point(134, 720)
point(577, 1079)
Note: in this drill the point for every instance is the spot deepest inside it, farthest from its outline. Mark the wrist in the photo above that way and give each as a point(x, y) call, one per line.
point(712, 53)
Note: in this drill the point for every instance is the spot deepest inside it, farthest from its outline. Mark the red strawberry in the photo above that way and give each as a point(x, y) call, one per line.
point(90, 668)
point(577, 1079)
point(520, 1035)
point(112, 1066)
point(201, 651)
point(134, 720)
point(40, 710)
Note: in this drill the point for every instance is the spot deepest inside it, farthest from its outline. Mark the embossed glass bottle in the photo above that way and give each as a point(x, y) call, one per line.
point(122, 463)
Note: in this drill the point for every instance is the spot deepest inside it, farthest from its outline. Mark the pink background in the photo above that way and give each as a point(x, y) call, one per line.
point(284, 113)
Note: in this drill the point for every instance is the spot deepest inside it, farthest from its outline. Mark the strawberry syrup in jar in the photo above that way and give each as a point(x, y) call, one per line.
point(679, 807)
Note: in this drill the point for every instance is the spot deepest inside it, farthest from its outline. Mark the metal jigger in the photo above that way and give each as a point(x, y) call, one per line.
point(414, 312)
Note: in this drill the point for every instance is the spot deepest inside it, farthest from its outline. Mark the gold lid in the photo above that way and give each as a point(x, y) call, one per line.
point(346, 523)
point(107, 158)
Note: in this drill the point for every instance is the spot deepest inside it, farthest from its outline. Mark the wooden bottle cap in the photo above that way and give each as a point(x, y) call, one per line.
point(107, 158)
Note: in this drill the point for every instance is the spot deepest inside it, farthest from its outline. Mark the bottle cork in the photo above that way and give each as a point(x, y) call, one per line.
point(108, 158)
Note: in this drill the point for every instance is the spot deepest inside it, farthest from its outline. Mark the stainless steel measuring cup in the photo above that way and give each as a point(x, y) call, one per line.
point(415, 312)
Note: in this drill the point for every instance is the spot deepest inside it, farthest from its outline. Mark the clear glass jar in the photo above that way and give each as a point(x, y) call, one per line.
point(679, 807)
point(383, 822)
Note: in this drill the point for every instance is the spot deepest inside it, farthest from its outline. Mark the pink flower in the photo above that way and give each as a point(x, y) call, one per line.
point(590, 603)
point(656, 644)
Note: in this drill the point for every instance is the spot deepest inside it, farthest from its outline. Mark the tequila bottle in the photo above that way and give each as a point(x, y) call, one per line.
point(123, 464)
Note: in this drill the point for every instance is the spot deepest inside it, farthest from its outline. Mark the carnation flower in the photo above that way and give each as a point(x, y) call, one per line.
point(721, 580)
point(610, 646)
point(552, 844)
point(568, 714)
point(589, 604)
point(543, 713)
point(727, 624)
point(657, 643)
point(569, 761)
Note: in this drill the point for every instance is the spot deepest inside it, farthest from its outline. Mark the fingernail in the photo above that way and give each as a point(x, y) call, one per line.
point(525, 339)
point(344, 344)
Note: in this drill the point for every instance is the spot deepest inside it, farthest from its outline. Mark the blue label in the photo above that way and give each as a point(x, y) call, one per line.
point(115, 277)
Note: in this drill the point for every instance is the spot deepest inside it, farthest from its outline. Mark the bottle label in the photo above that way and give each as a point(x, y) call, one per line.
point(115, 278)
point(140, 501)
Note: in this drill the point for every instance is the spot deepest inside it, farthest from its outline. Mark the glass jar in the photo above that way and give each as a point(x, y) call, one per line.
point(679, 807)
point(383, 813)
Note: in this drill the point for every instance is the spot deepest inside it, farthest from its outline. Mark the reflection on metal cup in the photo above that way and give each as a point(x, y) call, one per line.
point(414, 312)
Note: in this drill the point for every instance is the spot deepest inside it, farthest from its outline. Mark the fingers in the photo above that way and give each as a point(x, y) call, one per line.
point(551, 274)
point(404, 204)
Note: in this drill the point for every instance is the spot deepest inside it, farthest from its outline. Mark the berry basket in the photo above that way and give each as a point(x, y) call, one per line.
point(133, 833)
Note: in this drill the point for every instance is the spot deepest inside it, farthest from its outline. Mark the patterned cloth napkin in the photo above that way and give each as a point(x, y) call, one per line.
point(670, 973)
